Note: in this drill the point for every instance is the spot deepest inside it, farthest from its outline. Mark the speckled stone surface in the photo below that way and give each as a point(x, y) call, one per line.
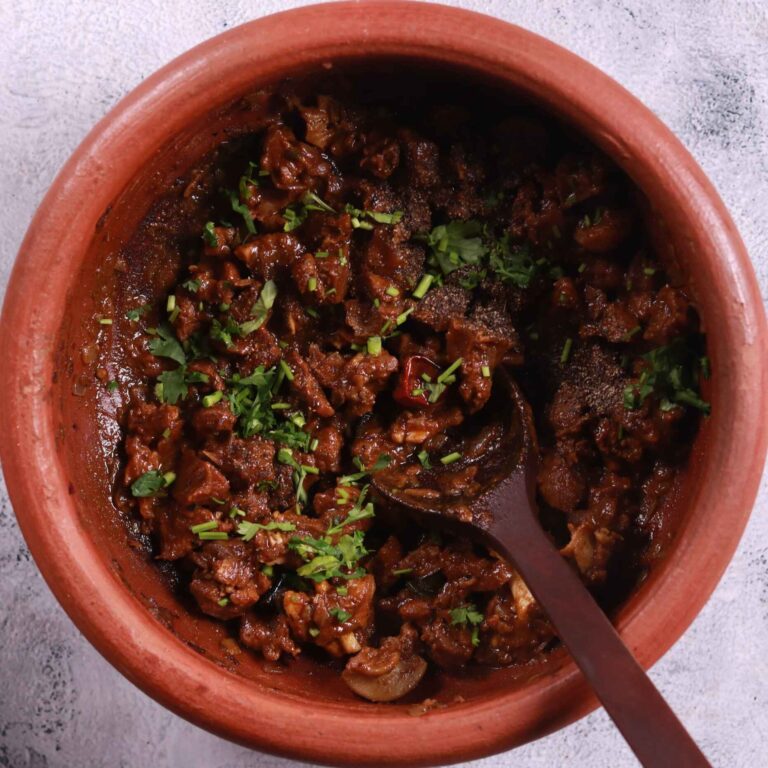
point(702, 65)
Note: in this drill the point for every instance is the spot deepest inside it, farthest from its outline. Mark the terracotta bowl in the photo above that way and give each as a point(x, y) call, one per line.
point(58, 436)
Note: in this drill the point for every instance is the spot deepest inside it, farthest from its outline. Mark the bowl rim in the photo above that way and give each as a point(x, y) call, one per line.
point(120, 628)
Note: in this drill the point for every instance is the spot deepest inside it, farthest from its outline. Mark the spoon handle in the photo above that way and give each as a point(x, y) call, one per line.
point(644, 718)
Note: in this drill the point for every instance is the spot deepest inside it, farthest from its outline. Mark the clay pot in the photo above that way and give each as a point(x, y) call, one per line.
point(57, 434)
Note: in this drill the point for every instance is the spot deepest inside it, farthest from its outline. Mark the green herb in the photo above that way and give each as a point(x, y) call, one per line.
point(360, 511)
point(672, 373)
point(268, 570)
point(105, 321)
point(249, 530)
point(382, 462)
point(243, 210)
point(264, 303)
point(512, 263)
point(193, 286)
point(566, 353)
point(343, 591)
point(314, 631)
point(392, 291)
point(296, 214)
point(312, 284)
point(286, 370)
point(209, 235)
point(151, 483)
point(649, 271)
point(211, 525)
point(212, 399)
point(402, 571)
point(324, 560)
point(224, 602)
point(134, 314)
point(455, 245)
point(165, 344)
point(340, 614)
point(213, 536)
point(112, 386)
point(468, 615)
point(486, 371)
point(423, 457)
point(374, 346)
point(423, 286)
point(450, 458)
point(403, 316)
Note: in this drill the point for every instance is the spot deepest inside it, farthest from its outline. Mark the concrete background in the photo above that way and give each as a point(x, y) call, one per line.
point(702, 65)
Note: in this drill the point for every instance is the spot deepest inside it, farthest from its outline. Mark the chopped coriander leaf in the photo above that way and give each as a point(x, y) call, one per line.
point(268, 570)
point(512, 263)
point(382, 462)
point(112, 386)
point(312, 312)
point(392, 291)
point(423, 457)
point(165, 344)
point(342, 591)
point(630, 333)
point(314, 631)
point(169, 477)
point(173, 386)
point(374, 345)
point(340, 614)
point(170, 303)
point(468, 615)
point(312, 284)
point(450, 458)
point(456, 244)
point(486, 371)
point(242, 209)
point(360, 511)
point(672, 373)
point(236, 512)
point(249, 530)
point(224, 602)
point(286, 370)
point(324, 560)
point(423, 286)
point(193, 286)
point(134, 314)
point(566, 353)
point(209, 235)
point(264, 303)
point(402, 571)
point(105, 321)
point(149, 484)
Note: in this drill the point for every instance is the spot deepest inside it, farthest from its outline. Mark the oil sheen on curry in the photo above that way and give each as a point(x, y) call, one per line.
point(343, 279)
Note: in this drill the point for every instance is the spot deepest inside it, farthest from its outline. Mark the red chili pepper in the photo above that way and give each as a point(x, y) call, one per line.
point(412, 390)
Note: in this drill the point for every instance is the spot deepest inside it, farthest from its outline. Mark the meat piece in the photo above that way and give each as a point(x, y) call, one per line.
point(306, 386)
point(388, 672)
point(330, 441)
point(422, 159)
point(228, 580)
point(292, 164)
point(244, 462)
point(266, 255)
point(198, 481)
point(322, 280)
point(176, 540)
point(670, 316)
point(189, 318)
point(353, 381)
point(580, 178)
point(270, 637)
point(441, 305)
point(381, 156)
point(149, 421)
point(341, 623)
point(590, 548)
point(604, 232)
point(479, 346)
point(561, 481)
point(216, 421)
point(396, 261)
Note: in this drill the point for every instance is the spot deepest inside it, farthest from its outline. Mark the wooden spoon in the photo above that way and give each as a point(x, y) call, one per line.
point(503, 516)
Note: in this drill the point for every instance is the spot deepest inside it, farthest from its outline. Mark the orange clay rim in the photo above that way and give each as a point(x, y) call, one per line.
point(213, 74)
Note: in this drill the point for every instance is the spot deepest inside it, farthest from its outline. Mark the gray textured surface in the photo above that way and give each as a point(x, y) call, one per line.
point(701, 65)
